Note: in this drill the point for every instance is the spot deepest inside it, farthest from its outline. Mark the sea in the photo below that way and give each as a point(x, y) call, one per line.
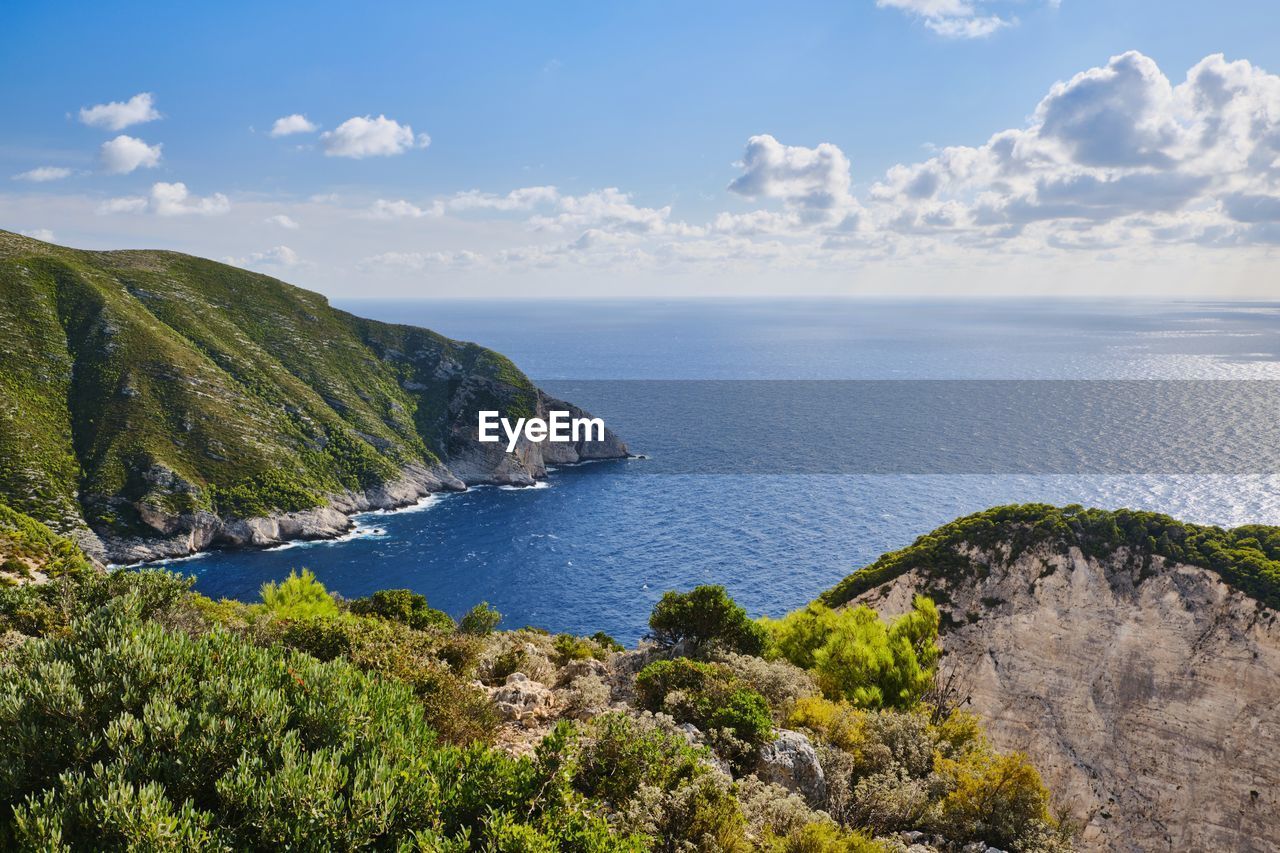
point(761, 428)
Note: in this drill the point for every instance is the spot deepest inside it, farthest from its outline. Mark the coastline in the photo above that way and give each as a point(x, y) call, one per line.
point(417, 487)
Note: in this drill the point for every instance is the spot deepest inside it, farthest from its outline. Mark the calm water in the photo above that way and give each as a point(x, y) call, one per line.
point(594, 547)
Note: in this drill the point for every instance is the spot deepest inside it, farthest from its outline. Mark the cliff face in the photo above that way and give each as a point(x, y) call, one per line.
point(1145, 690)
point(154, 404)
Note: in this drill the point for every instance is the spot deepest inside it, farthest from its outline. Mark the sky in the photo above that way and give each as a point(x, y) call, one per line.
point(659, 149)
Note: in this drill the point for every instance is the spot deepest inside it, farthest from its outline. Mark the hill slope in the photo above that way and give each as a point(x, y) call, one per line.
point(153, 403)
point(1136, 659)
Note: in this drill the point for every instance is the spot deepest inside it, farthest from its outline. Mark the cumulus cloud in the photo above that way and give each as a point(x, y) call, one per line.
point(810, 179)
point(291, 124)
point(124, 154)
point(401, 209)
point(364, 136)
point(43, 174)
point(1119, 148)
point(960, 19)
point(118, 115)
point(168, 200)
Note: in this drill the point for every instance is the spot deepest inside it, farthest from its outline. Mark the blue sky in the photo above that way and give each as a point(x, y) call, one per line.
point(693, 148)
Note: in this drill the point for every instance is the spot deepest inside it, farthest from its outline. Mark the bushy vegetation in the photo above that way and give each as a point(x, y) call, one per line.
point(404, 606)
point(711, 697)
point(704, 617)
point(136, 714)
point(1247, 557)
point(855, 655)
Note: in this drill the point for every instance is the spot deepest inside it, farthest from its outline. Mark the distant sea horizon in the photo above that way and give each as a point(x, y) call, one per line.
point(596, 545)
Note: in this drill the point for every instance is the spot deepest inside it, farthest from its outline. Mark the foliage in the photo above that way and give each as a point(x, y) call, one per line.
point(480, 620)
point(125, 735)
point(704, 616)
point(855, 655)
point(299, 596)
point(1247, 557)
point(570, 648)
point(404, 606)
point(434, 666)
point(39, 610)
point(711, 698)
point(997, 799)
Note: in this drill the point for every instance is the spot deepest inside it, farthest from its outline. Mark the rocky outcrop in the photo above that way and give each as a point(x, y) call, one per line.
point(1146, 692)
point(523, 700)
point(791, 761)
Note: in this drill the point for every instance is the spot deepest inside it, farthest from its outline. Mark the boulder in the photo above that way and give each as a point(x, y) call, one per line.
point(791, 761)
point(524, 700)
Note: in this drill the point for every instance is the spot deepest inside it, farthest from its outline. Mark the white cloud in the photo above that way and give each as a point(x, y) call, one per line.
point(39, 234)
point(609, 209)
point(118, 115)
point(524, 198)
point(291, 124)
point(363, 136)
point(43, 174)
point(400, 209)
point(276, 257)
point(960, 19)
point(283, 221)
point(168, 200)
point(809, 179)
point(124, 154)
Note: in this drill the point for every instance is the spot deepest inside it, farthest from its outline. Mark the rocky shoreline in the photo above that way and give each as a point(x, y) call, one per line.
point(470, 464)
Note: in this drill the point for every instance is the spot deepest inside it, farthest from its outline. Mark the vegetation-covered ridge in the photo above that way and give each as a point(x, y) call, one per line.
point(137, 387)
point(1247, 557)
point(138, 715)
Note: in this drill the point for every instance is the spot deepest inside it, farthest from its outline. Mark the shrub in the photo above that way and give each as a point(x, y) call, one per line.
point(857, 656)
point(41, 609)
point(404, 606)
point(711, 698)
point(480, 620)
point(454, 708)
point(299, 596)
point(123, 735)
point(997, 799)
point(567, 648)
point(705, 615)
point(780, 682)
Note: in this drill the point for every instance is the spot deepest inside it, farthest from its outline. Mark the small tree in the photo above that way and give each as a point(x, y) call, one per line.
point(480, 620)
point(299, 596)
point(854, 655)
point(704, 616)
point(404, 606)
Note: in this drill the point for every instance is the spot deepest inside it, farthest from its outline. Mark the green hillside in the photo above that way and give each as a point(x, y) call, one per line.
point(1246, 557)
point(153, 382)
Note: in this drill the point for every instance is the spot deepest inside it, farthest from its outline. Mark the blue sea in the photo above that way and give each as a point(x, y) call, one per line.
point(596, 545)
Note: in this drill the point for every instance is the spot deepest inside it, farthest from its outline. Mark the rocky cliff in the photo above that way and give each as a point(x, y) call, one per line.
point(1146, 689)
point(155, 404)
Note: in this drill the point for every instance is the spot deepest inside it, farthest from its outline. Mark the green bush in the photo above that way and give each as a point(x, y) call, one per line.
point(855, 655)
point(122, 735)
point(567, 648)
point(454, 708)
point(299, 596)
point(705, 616)
point(479, 620)
point(404, 606)
point(711, 698)
point(41, 609)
